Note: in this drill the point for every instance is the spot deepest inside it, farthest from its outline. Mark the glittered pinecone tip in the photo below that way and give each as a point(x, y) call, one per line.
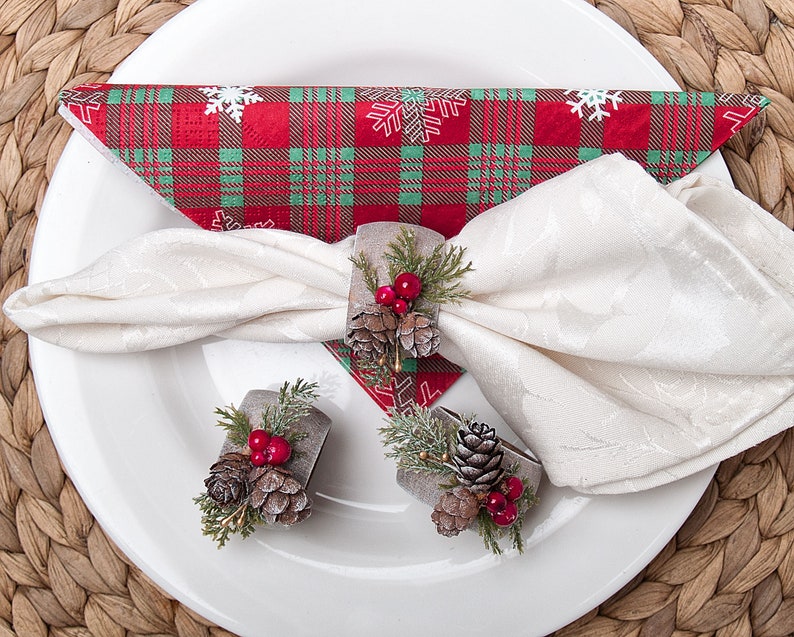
point(278, 496)
point(227, 483)
point(478, 457)
point(371, 332)
point(455, 511)
point(417, 335)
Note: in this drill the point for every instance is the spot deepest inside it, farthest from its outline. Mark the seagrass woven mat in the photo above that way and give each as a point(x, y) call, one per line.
point(729, 572)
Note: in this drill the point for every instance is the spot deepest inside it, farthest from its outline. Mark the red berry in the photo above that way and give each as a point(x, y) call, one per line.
point(278, 450)
point(385, 295)
point(408, 286)
point(514, 488)
point(506, 516)
point(258, 439)
point(258, 458)
point(495, 501)
point(399, 306)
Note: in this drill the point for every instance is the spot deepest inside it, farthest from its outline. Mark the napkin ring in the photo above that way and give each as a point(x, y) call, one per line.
point(464, 471)
point(395, 293)
point(273, 441)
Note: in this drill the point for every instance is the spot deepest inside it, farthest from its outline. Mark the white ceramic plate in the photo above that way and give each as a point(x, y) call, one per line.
point(136, 433)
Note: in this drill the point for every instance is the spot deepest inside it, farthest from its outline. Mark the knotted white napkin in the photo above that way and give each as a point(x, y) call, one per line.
point(631, 334)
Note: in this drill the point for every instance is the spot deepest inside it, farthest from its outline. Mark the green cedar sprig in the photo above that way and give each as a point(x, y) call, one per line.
point(294, 403)
point(489, 531)
point(527, 500)
point(220, 522)
point(439, 272)
point(236, 424)
point(369, 274)
point(412, 434)
point(402, 254)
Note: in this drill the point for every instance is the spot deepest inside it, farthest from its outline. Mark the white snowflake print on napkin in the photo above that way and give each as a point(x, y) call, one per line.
point(418, 112)
point(229, 99)
point(593, 99)
point(87, 103)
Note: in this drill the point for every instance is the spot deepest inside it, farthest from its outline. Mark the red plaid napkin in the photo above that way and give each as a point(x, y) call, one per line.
point(323, 160)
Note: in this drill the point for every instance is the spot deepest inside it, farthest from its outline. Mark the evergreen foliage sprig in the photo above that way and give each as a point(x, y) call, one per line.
point(439, 271)
point(294, 403)
point(369, 274)
point(236, 424)
point(414, 434)
point(402, 254)
point(220, 523)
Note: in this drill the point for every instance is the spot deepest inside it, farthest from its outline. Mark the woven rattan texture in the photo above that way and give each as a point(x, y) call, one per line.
point(729, 572)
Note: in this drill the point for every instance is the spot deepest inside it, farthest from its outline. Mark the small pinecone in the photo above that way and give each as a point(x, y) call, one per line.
point(478, 457)
point(372, 331)
point(417, 335)
point(455, 511)
point(227, 483)
point(279, 497)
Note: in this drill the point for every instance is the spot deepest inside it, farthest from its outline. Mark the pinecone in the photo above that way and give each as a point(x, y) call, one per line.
point(417, 335)
point(227, 483)
point(372, 331)
point(479, 457)
point(455, 511)
point(279, 497)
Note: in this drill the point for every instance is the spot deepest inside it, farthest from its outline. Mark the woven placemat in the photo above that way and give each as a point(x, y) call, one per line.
point(729, 572)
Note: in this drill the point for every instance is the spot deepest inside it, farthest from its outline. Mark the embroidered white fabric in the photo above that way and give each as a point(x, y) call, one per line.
point(630, 333)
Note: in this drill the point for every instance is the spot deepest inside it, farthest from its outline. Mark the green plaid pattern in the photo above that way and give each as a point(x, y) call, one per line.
point(322, 160)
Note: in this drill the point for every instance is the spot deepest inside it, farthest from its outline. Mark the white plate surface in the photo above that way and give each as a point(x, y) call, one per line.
point(136, 433)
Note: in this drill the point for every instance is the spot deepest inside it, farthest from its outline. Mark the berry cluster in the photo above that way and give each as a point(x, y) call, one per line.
point(400, 294)
point(267, 449)
point(501, 503)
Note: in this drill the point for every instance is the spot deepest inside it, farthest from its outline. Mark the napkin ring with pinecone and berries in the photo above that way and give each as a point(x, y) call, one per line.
point(402, 274)
point(273, 441)
point(461, 468)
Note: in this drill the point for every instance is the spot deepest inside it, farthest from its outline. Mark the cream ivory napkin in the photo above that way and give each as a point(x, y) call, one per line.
point(630, 333)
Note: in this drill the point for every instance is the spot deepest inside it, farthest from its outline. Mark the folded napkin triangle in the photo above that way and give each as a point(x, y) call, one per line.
point(323, 160)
